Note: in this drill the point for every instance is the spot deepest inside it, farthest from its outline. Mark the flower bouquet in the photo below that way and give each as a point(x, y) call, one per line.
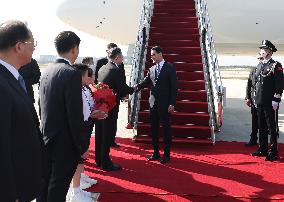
point(105, 99)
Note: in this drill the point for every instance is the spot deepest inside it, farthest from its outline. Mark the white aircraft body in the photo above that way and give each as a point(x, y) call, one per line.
point(238, 26)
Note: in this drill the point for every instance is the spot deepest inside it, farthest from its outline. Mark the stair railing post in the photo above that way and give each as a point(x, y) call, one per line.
point(139, 58)
point(214, 85)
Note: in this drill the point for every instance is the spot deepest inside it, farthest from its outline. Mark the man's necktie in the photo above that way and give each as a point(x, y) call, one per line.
point(158, 69)
point(22, 83)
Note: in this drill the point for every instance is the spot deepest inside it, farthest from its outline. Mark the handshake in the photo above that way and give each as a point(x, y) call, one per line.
point(135, 88)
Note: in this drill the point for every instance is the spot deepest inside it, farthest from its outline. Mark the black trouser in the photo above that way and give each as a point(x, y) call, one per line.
point(60, 162)
point(104, 136)
point(266, 117)
point(254, 123)
point(157, 116)
point(114, 117)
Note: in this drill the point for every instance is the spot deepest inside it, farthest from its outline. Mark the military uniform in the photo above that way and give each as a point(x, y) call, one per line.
point(269, 88)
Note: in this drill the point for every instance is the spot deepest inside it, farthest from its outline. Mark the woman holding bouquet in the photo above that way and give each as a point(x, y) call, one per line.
point(80, 180)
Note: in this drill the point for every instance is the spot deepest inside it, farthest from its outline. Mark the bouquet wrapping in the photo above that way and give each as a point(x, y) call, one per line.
point(105, 99)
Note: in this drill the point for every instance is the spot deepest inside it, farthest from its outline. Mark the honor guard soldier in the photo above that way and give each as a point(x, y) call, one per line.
point(269, 88)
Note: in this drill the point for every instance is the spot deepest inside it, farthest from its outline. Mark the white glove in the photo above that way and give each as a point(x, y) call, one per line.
point(275, 105)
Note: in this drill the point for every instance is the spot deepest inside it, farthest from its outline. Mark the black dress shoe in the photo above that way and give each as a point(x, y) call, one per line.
point(259, 153)
point(154, 157)
point(251, 143)
point(115, 145)
point(165, 159)
point(98, 165)
point(112, 167)
point(271, 157)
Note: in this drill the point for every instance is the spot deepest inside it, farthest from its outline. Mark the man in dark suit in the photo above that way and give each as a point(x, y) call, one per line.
point(111, 75)
point(61, 118)
point(31, 74)
point(99, 64)
point(163, 79)
point(20, 145)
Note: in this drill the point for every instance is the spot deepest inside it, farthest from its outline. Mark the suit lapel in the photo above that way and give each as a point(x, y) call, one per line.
point(14, 84)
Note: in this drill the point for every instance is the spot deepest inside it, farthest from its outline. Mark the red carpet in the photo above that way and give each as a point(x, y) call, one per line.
point(224, 172)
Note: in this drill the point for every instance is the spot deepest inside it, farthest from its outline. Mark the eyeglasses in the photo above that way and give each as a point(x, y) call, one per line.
point(31, 42)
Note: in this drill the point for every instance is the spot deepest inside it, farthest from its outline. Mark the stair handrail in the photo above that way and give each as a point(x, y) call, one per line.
point(139, 59)
point(214, 86)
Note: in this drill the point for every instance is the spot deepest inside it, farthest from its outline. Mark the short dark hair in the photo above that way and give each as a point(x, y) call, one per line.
point(158, 49)
point(81, 68)
point(65, 41)
point(12, 32)
point(86, 60)
point(90, 72)
point(111, 45)
point(114, 52)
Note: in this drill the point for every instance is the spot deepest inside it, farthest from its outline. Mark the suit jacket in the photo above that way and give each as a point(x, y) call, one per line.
point(103, 61)
point(61, 103)
point(269, 82)
point(250, 89)
point(112, 75)
point(20, 148)
point(31, 74)
point(163, 88)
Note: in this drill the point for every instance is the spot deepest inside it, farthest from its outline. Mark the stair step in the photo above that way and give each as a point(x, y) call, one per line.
point(176, 141)
point(181, 106)
point(174, 24)
point(187, 76)
point(176, 5)
point(181, 131)
point(171, 19)
point(175, 36)
point(185, 11)
point(182, 58)
point(171, 43)
point(179, 50)
point(190, 13)
point(182, 95)
point(180, 66)
point(179, 118)
point(191, 85)
point(170, 30)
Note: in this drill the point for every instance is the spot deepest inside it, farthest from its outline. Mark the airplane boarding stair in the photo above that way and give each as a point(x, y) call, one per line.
point(175, 27)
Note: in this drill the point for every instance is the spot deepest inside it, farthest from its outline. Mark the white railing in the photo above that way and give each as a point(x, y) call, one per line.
point(214, 87)
point(139, 58)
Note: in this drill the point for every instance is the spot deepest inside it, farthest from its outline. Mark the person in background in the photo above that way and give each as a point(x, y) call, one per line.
point(20, 138)
point(90, 62)
point(31, 74)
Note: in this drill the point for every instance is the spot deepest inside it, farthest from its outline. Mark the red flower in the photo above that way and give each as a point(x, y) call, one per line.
point(105, 99)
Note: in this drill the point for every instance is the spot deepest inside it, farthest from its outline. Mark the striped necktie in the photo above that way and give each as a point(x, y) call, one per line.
point(22, 83)
point(158, 69)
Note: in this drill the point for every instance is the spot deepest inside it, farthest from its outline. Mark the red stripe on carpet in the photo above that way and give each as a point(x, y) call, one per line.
point(225, 172)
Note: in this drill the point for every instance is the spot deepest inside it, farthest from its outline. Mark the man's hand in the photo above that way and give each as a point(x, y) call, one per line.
point(248, 102)
point(171, 109)
point(275, 105)
point(97, 114)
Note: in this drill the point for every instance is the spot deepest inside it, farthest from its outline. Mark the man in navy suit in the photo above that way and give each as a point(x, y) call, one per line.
point(163, 80)
point(20, 145)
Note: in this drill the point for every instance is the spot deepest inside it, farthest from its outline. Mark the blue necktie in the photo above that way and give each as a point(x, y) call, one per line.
point(158, 69)
point(22, 83)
